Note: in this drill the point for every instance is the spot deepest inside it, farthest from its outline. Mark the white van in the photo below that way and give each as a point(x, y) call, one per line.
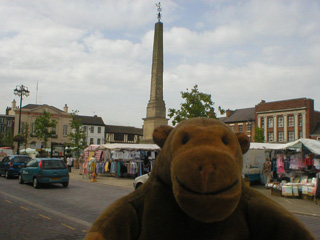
point(4, 151)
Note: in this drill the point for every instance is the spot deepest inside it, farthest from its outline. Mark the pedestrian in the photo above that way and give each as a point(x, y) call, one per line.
point(267, 170)
point(92, 163)
point(81, 161)
point(70, 162)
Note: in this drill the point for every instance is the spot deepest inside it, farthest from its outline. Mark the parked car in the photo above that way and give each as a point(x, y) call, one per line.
point(45, 170)
point(138, 181)
point(11, 165)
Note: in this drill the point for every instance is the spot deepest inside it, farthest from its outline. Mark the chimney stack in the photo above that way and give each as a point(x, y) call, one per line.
point(65, 108)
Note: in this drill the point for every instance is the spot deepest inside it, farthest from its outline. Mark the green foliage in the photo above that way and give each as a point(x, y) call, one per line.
point(77, 134)
point(259, 135)
point(6, 139)
point(25, 132)
point(197, 104)
point(43, 127)
point(18, 138)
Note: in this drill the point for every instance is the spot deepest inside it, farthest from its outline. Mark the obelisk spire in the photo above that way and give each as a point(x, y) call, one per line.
point(156, 109)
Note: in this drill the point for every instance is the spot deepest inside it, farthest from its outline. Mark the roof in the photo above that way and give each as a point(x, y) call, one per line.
point(6, 116)
point(241, 115)
point(316, 130)
point(123, 129)
point(33, 106)
point(88, 120)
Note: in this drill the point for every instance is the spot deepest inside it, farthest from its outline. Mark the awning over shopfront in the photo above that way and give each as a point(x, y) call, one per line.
point(301, 144)
point(305, 144)
point(124, 146)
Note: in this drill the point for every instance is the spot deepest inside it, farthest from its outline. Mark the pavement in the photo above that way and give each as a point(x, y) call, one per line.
point(294, 205)
point(103, 179)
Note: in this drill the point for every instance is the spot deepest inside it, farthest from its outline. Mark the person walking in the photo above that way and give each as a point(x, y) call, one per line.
point(70, 162)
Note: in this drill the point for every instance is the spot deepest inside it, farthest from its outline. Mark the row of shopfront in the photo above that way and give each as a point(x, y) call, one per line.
point(120, 160)
point(294, 168)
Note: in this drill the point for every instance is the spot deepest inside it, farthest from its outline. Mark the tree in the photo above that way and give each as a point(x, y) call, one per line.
point(25, 132)
point(77, 134)
point(259, 135)
point(43, 127)
point(197, 104)
point(6, 139)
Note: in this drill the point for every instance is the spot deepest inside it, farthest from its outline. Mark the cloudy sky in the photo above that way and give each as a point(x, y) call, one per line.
point(96, 56)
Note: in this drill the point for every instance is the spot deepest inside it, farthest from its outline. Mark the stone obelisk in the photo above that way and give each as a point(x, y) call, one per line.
point(156, 109)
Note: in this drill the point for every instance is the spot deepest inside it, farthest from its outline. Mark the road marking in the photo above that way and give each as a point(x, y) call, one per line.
point(27, 209)
point(68, 226)
point(37, 205)
point(8, 201)
point(44, 216)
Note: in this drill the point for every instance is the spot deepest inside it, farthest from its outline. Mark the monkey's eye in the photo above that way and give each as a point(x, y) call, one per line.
point(185, 139)
point(225, 140)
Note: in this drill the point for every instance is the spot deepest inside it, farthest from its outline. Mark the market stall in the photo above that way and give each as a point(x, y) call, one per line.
point(126, 160)
point(255, 158)
point(297, 166)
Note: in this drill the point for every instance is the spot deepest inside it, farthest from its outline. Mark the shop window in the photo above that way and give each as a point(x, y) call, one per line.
point(291, 136)
point(270, 137)
point(240, 128)
point(280, 121)
point(280, 136)
point(291, 121)
point(270, 122)
point(300, 134)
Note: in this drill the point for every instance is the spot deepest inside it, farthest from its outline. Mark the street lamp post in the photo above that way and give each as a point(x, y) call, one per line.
point(20, 91)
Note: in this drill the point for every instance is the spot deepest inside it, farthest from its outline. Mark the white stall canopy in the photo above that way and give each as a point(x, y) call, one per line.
point(129, 147)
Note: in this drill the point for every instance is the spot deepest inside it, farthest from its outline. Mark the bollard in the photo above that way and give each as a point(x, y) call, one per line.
point(93, 179)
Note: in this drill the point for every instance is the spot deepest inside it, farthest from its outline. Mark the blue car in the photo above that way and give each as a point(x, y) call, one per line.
point(45, 170)
point(11, 165)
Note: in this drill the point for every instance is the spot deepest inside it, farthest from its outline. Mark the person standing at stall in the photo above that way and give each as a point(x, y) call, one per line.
point(267, 170)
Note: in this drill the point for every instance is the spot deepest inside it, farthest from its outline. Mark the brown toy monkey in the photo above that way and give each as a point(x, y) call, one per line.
point(196, 191)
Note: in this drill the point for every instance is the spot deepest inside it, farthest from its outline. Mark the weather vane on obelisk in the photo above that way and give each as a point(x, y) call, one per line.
point(159, 11)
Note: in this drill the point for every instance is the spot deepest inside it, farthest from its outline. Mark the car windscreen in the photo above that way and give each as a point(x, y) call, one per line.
point(21, 159)
point(54, 164)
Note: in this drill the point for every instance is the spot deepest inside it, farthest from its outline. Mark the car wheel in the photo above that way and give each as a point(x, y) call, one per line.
point(6, 174)
point(65, 184)
point(35, 183)
point(20, 179)
point(138, 185)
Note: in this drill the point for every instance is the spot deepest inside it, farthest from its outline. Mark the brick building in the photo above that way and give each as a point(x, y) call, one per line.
point(282, 121)
point(241, 120)
point(287, 120)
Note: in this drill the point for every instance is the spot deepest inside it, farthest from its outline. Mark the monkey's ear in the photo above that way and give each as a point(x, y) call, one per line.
point(244, 142)
point(160, 134)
